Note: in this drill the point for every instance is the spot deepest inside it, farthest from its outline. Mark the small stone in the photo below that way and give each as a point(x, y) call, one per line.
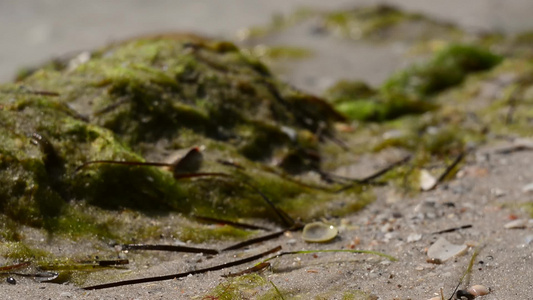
point(528, 239)
point(427, 181)
point(387, 227)
point(444, 250)
point(516, 224)
point(414, 237)
point(291, 242)
point(11, 280)
point(496, 192)
point(478, 290)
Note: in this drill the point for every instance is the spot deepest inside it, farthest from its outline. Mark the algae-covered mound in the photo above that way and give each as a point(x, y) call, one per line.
point(383, 22)
point(147, 99)
point(410, 91)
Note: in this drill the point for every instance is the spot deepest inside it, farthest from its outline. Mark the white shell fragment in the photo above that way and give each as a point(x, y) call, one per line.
point(444, 250)
point(427, 181)
point(318, 232)
point(478, 290)
point(516, 224)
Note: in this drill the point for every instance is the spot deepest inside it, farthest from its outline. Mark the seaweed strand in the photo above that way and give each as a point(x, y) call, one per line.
point(184, 274)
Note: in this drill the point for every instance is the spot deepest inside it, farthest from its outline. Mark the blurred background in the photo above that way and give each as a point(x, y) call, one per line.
point(32, 31)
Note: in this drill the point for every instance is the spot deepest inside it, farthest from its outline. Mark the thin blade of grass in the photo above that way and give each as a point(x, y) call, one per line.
point(231, 223)
point(277, 291)
point(391, 258)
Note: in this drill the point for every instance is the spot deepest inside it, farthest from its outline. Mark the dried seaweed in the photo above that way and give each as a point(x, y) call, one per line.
point(184, 274)
point(171, 248)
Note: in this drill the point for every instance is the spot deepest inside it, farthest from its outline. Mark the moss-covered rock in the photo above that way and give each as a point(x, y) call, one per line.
point(387, 23)
point(410, 91)
point(449, 67)
point(151, 98)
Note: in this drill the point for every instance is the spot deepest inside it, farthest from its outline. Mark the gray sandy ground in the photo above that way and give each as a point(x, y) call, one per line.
point(486, 195)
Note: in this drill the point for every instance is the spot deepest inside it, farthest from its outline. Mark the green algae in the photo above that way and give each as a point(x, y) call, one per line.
point(386, 23)
point(19, 251)
point(464, 111)
point(409, 91)
point(447, 68)
point(529, 208)
point(202, 234)
point(151, 97)
point(269, 53)
point(241, 287)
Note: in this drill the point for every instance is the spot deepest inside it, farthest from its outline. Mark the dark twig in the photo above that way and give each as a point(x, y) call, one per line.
point(230, 163)
point(171, 248)
point(374, 176)
point(338, 142)
point(255, 240)
point(112, 106)
point(449, 169)
point(453, 229)
point(184, 274)
point(256, 268)
point(231, 223)
point(284, 217)
point(112, 262)
point(286, 177)
point(514, 148)
point(116, 162)
point(43, 93)
point(14, 267)
point(25, 90)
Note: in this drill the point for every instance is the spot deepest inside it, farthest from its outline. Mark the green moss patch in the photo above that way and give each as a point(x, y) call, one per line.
point(384, 22)
point(150, 98)
point(410, 91)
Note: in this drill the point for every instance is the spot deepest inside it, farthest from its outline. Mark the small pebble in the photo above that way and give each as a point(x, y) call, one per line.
point(387, 227)
point(444, 250)
point(427, 181)
point(516, 224)
point(414, 237)
point(478, 290)
point(498, 192)
point(11, 280)
point(291, 242)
